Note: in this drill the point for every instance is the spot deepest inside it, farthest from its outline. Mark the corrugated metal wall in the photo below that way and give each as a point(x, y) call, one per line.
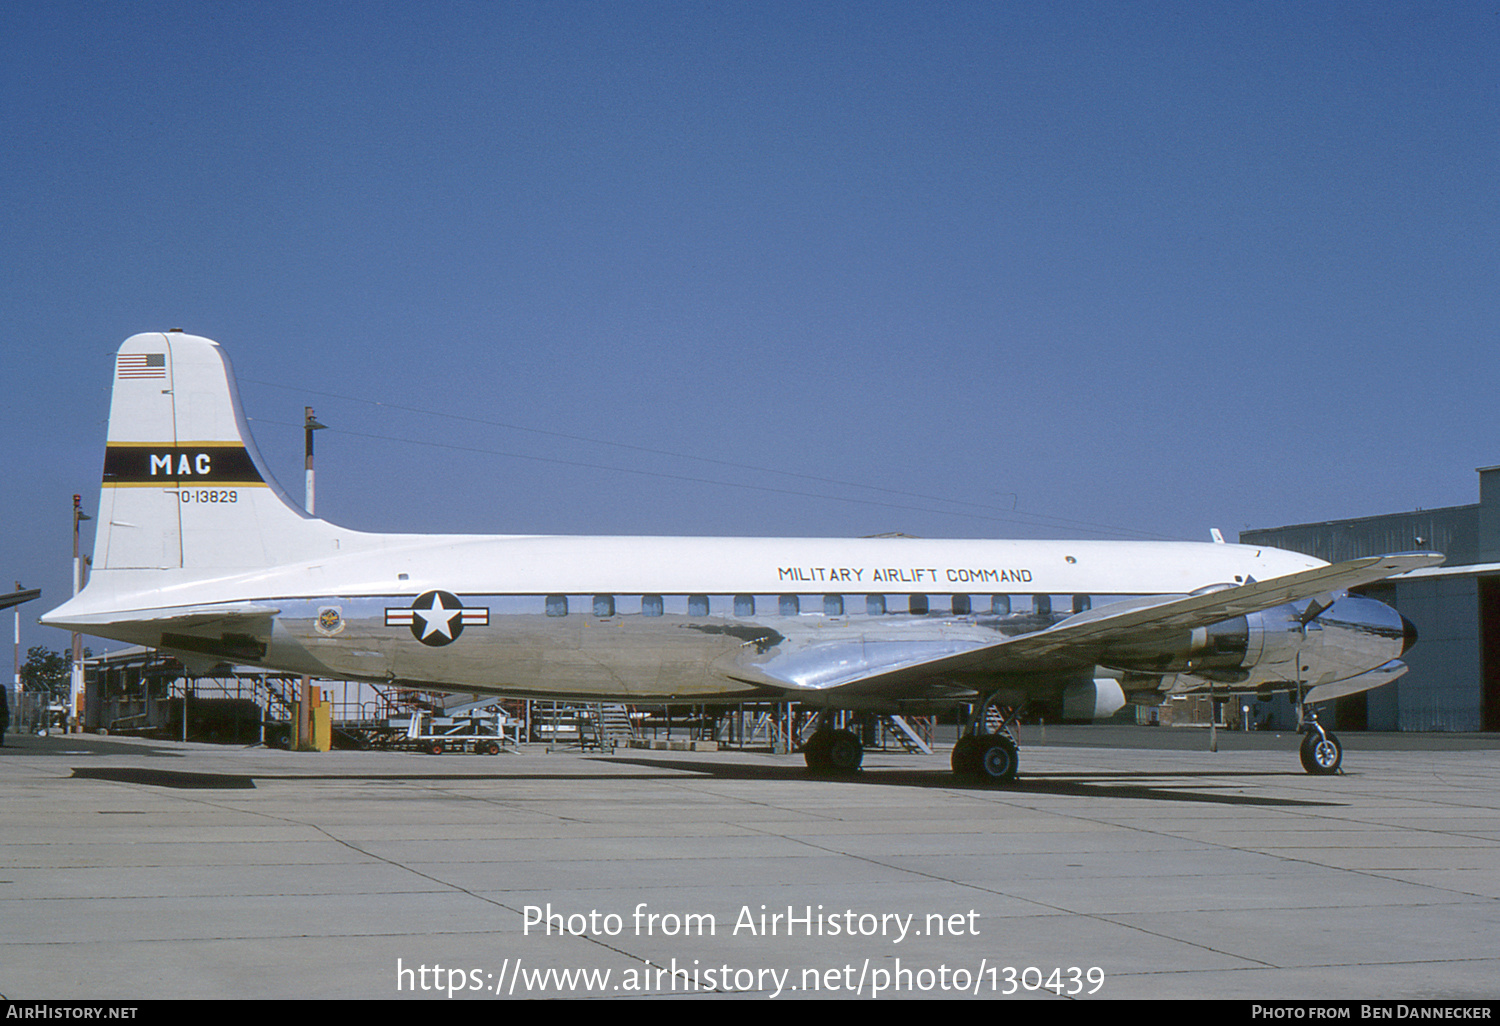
point(1453, 531)
point(1444, 689)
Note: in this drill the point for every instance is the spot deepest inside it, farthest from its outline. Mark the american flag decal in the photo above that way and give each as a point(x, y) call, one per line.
point(141, 365)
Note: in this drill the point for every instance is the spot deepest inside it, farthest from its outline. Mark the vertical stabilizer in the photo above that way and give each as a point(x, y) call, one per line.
point(183, 483)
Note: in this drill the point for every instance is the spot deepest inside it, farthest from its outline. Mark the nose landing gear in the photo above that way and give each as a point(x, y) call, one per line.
point(1321, 752)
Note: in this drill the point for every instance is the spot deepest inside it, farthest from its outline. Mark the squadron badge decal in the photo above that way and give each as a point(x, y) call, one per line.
point(330, 620)
point(437, 617)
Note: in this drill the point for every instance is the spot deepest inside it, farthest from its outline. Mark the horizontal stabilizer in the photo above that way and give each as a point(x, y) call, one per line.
point(226, 616)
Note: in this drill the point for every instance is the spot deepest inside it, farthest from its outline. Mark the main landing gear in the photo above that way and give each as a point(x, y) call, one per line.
point(984, 755)
point(833, 751)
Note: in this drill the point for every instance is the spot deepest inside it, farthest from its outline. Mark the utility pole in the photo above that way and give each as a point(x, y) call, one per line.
point(304, 707)
point(309, 425)
point(17, 681)
point(75, 689)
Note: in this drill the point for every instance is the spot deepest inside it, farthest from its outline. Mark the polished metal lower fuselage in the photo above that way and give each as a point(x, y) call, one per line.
point(706, 648)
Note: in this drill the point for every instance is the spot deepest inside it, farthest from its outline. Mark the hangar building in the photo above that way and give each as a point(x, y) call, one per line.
point(1454, 683)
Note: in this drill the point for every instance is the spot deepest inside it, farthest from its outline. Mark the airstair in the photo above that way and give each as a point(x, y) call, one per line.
point(611, 725)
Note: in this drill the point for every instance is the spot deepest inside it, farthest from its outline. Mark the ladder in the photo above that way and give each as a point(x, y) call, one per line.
point(906, 735)
point(609, 724)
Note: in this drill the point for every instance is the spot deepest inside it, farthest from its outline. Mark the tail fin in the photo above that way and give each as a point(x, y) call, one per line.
point(183, 483)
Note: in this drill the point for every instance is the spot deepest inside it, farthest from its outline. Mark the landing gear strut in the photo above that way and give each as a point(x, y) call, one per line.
point(985, 756)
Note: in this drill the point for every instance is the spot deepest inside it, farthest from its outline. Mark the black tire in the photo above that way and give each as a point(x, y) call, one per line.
point(998, 758)
point(434, 748)
point(846, 752)
point(815, 751)
point(966, 758)
point(1322, 754)
point(833, 751)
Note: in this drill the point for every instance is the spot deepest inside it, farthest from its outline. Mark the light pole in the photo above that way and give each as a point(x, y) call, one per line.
point(75, 689)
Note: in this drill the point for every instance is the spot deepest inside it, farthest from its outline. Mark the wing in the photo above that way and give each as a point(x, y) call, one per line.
point(955, 661)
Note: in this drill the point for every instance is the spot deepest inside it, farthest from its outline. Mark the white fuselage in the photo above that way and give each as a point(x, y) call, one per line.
point(684, 618)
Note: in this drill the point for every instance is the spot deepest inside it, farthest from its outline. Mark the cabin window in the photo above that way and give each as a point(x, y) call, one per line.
point(1042, 605)
point(961, 606)
point(651, 605)
point(1000, 605)
point(1082, 602)
point(790, 606)
point(917, 605)
point(697, 605)
point(557, 605)
point(833, 605)
point(875, 605)
point(744, 605)
point(604, 605)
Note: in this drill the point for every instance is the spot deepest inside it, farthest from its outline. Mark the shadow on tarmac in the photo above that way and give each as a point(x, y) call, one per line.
point(1081, 785)
point(165, 778)
point(1077, 785)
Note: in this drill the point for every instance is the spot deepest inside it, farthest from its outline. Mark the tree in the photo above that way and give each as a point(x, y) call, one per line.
point(45, 670)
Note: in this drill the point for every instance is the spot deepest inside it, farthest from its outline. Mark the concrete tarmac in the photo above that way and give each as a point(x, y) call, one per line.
point(1151, 868)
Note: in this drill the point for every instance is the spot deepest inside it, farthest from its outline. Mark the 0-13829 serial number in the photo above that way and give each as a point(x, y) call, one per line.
point(209, 495)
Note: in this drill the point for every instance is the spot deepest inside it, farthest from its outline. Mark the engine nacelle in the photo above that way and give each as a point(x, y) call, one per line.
point(1353, 636)
point(1095, 699)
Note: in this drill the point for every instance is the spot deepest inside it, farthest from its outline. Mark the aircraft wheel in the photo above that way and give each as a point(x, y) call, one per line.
point(966, 757)
point(999, 757)
point(815, 751)
point(846, 752)
point(833, 751)
point(1321, 754)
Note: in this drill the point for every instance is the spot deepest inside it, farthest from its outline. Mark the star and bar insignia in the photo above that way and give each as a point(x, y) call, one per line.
point(437, 617)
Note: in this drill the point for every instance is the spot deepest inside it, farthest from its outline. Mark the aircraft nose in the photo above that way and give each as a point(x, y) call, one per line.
point(1408, 634)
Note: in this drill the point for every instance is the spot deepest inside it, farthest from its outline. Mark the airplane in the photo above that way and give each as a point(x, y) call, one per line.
point(200, 553)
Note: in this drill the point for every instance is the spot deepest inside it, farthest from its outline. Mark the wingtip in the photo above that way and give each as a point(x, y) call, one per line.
point(1413, 560)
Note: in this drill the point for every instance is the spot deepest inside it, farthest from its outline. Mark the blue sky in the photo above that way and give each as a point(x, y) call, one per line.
point(988, 270)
